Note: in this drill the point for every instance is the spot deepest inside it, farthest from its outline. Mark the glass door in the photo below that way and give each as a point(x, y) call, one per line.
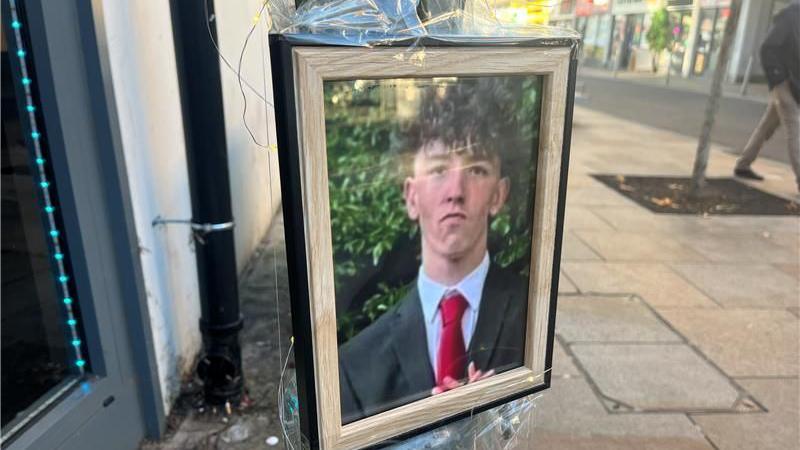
point(77, 369)
point(709, 38)
point(42, 340)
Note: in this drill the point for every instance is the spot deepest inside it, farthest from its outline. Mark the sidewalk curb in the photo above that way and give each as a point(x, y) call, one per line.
point(658, 83)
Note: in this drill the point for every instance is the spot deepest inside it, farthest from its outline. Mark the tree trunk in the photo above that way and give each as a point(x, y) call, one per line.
point(701, 158)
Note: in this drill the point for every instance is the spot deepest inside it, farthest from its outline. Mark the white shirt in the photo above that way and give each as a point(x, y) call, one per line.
point(431, 294)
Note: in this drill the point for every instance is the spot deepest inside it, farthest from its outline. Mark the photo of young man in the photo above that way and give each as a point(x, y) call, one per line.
point(464, 317)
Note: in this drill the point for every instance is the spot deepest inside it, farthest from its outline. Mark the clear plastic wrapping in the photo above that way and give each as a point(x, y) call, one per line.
point(506, 427)
point(368, 23)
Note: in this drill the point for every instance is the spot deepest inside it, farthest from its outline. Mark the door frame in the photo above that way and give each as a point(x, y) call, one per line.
point(73, 77)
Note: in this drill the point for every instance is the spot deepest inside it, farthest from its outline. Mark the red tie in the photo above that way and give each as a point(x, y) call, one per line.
point(451, 359)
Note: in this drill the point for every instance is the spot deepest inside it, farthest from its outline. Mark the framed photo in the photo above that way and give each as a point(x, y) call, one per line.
point(423, 199)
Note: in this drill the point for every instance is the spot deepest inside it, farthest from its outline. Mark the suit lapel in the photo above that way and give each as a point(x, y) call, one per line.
point(410, 343)
point(491, 317)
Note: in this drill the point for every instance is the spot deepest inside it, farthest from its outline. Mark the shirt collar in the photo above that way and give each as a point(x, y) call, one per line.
point(471, 287)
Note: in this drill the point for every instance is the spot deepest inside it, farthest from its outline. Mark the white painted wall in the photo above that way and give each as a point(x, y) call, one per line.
point(143, 71)
point(254, 169)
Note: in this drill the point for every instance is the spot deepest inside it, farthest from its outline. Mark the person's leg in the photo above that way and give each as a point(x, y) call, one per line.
point(789, 114)
point(763, 131)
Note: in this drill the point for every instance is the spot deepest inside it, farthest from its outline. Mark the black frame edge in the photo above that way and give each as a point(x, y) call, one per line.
point(294, 231)
point(562, 199)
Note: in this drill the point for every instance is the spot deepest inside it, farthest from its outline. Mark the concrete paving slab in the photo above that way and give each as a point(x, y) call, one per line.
point(610, 319)
point(565, 441)
point(742, 342)
point(581, 218)
point(775, 429)
point(638, 246)
point(565, 285)
point(578, 176)
point(788, 239)
point(595, 194)
point(740, 248)
point(793, 270)
point(611, 158)
point(574, 249)
point(636, 218)
point(563, 364)
point(656, 377)
point(744, 285)
point(569, 416)
point(656, 283)
point(759, 224)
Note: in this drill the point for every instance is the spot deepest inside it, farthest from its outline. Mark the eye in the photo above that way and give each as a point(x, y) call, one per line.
point(438, 169)
point(478, 170)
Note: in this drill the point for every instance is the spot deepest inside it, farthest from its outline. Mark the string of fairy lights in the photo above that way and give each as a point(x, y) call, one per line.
point(46, 188)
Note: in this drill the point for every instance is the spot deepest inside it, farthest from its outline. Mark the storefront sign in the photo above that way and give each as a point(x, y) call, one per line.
point(679, 3)
point(591, 7)
point(621, 7)
point(715, 3)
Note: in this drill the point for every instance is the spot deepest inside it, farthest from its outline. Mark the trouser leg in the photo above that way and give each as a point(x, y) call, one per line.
point(789, 114)
point(766, 126)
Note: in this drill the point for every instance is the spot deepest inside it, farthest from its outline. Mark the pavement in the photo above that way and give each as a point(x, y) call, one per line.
point(645, 98)
point(754, 91)
point(673, 332)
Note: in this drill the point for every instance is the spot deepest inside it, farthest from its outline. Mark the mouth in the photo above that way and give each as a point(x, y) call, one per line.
point(453, 217)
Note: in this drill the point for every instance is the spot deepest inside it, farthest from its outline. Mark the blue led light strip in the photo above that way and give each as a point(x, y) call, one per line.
point(49, 208)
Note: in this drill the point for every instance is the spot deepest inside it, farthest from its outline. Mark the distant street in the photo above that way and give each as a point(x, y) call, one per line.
point(680, 111)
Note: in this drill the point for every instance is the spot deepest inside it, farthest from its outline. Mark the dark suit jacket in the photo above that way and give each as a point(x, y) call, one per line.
point(387, 364)
point(780, 52)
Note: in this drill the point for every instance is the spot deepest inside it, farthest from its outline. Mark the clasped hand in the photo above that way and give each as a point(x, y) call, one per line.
point(473, 375)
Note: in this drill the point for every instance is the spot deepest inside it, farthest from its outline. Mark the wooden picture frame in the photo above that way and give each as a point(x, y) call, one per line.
point(298, 74)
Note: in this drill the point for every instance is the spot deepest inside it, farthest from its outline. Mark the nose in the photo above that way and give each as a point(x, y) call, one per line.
point(454, 185)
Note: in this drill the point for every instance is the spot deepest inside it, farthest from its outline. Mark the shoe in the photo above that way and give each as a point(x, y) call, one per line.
point(748, 173)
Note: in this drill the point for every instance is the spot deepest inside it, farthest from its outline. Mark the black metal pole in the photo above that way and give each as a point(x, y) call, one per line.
point(198, 68)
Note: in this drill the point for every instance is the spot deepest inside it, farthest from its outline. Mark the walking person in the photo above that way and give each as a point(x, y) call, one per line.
point(780, 57)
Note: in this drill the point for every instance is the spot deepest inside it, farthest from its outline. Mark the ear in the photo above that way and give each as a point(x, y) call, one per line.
point(410, 196)
point(500, 196)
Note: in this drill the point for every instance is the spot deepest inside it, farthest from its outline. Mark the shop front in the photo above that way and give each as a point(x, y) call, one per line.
point(629, 44)
point(713, 16)
point(680, 15)
point(595, 23)
point(563, 15)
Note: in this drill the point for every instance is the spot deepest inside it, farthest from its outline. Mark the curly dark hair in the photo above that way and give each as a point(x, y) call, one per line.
point(477, 115)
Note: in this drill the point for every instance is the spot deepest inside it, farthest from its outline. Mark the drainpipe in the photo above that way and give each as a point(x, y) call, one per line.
point(220, 367)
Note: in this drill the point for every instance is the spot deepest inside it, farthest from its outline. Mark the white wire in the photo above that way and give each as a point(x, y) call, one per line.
point(225, 60)
point(281, 397)
point(238, 71)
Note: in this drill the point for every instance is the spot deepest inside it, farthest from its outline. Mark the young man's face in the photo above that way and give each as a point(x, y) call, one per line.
point(452, 195)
